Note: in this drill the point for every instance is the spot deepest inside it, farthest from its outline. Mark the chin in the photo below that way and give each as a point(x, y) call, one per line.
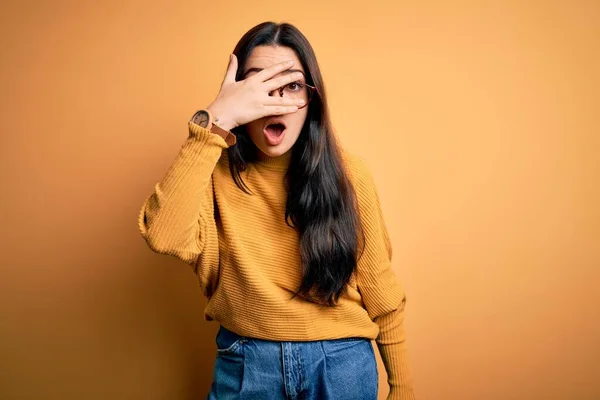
point(275, 151)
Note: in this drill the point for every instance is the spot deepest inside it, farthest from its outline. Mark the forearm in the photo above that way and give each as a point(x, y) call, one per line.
point(392, 347)
point(170, 219)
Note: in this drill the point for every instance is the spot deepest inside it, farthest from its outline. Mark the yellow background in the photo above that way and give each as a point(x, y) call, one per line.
point(479, 121)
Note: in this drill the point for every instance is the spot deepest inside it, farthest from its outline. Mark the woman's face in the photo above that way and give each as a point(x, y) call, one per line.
point(266, 132)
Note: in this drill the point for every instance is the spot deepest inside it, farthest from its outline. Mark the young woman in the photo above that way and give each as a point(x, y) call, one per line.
point(285, 233)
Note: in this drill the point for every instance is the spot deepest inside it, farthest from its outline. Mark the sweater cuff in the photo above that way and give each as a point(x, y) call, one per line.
point(198, 132)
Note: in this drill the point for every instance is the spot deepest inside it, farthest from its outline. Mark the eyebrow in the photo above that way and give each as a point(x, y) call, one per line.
point(288, 71)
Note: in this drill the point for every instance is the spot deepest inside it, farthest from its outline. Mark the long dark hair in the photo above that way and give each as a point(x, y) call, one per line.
point(321, 202)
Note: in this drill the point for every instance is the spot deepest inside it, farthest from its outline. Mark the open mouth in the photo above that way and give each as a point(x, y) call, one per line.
point(274, 133)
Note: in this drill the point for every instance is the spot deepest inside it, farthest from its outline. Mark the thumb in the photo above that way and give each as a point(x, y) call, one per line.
point(231, 70)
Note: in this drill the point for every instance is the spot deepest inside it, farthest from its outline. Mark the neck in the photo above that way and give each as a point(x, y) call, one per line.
point(279, 162)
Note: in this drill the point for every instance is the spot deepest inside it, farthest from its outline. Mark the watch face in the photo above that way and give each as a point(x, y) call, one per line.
point(201, 118)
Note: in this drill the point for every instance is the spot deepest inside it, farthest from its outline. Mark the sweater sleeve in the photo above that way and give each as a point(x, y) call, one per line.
point(382, 294)
point(178, 218)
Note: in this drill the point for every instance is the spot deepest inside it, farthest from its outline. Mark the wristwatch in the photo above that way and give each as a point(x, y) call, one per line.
point(205, 119)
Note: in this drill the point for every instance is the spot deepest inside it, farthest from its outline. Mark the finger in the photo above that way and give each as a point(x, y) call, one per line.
point(279, 110)
point(283, 101)
point(283, 80)
point(231, 70)
point(271, 71)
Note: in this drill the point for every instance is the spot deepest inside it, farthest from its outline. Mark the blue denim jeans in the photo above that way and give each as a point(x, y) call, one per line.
point(254, 369)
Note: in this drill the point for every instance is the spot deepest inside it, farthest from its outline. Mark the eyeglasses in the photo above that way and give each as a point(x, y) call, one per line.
point(297, 90)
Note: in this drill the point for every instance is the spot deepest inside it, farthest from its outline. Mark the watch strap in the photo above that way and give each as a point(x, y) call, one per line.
point(229, 137)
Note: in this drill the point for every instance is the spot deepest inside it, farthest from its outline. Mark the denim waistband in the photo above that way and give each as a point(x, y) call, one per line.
point(230, 336)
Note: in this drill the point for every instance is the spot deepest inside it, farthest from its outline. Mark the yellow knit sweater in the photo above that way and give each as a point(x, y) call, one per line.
point(247, 258)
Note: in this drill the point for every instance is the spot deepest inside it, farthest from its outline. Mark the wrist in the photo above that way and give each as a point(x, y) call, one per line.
point(220, 118)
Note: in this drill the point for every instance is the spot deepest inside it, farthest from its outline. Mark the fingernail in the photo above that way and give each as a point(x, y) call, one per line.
point(290, 62)
point(301, 101)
